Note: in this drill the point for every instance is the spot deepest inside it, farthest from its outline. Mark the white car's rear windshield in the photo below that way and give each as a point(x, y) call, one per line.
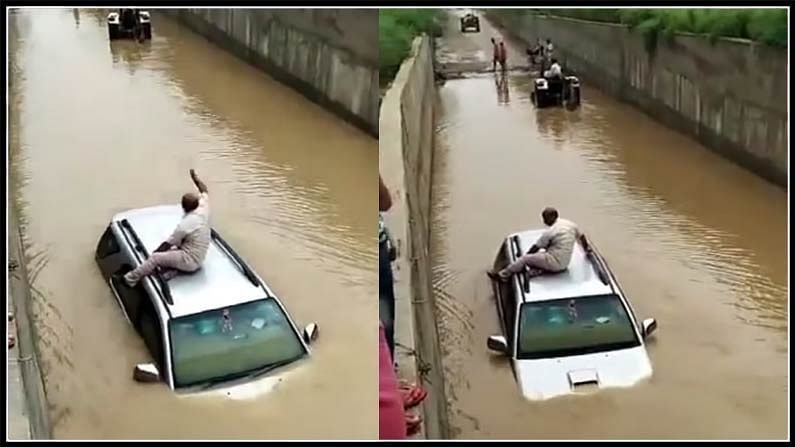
point(575, 326)
point(231, 342)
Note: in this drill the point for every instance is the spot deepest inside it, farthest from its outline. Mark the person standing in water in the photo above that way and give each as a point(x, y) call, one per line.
point(502, 55)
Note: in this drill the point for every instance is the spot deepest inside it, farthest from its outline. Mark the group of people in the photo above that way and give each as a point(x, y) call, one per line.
point(395, 398)
point(541, 52)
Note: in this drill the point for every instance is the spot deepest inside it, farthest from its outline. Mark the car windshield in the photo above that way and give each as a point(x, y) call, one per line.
point(566, 327)
point(232, 342)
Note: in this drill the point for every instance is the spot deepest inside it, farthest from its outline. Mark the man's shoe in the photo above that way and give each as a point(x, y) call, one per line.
point(495, 276)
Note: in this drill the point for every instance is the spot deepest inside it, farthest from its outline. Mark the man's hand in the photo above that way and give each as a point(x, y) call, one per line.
point(165, 246)
point(199, 184)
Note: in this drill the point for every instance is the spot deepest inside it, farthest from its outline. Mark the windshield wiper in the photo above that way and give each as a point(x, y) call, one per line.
point(266, 369)
point(212, 382)
point(251, 374)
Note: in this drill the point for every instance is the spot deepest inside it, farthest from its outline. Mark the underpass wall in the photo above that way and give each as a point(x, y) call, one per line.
point(730, 95)
point(405, 159)
point(329, 55)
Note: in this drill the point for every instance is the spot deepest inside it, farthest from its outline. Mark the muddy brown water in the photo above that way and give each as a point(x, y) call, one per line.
point(101, 127)
point(696, 242)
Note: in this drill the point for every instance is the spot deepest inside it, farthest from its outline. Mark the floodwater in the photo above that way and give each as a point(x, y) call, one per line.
point(98, 128)
point(697, 242)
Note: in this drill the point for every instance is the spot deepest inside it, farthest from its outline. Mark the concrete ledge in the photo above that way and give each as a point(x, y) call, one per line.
point(405, 146)
point(20, 299)
point(331, 76)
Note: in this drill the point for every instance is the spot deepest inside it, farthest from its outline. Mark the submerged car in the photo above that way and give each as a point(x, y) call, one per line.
point(125, 23)
point(568, 332)
point(218, 325)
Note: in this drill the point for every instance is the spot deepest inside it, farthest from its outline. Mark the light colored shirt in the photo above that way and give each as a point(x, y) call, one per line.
point(192, 234)
point(554, 71)
point(559, 240)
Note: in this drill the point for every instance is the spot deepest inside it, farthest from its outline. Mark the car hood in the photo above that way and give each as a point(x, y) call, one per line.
point(547, 378)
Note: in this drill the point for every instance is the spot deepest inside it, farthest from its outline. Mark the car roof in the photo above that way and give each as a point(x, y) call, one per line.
point(580, 279)
point(218, 283)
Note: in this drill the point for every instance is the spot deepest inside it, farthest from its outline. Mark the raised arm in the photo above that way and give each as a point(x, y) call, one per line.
point(197, 181)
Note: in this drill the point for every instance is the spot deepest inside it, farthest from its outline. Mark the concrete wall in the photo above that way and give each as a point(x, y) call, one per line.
point(331, 56)
point(406, 150)
point(730, 95)
point(28, 407)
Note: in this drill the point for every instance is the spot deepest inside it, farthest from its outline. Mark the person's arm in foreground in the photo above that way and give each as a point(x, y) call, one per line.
point(384, 199)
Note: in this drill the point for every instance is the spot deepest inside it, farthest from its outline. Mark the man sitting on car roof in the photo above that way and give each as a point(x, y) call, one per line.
point(558, 244)
point(187, 246)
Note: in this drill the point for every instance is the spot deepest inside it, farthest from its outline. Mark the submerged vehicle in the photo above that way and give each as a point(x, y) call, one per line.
point(567, 332)
point(217, 325)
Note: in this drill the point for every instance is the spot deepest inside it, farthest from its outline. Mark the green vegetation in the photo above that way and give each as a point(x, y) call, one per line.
point(396, 30)
point(768, 26)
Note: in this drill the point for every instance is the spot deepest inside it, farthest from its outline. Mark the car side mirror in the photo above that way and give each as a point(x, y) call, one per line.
point(310, 333)
point(497, 344)
point(649, 326)
point(146, 373)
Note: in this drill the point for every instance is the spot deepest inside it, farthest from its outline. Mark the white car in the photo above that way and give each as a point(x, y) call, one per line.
point(220, 325)
point(568, 332)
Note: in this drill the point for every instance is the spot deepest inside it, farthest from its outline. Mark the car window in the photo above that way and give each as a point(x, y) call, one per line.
point(107, 244)
point(230, 342)
point(508, 303)
point(566, 327)
point(152, 333)
point(134, 299)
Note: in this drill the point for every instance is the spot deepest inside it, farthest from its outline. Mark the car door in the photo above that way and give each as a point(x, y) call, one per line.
point(108, 253)
point(130, 299)
point(114, 261)
point(508, 308)
point(152, 331)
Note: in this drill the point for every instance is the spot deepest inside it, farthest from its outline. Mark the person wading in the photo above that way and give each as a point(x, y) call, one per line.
point(495, 54)
point(502, 56)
